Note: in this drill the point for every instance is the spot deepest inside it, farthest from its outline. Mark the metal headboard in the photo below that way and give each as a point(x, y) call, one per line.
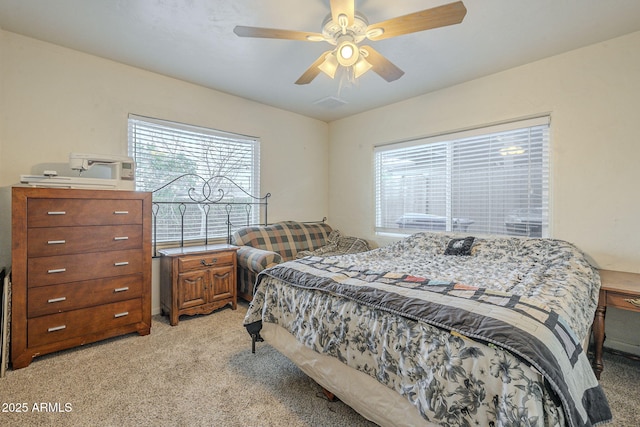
point(215, 192)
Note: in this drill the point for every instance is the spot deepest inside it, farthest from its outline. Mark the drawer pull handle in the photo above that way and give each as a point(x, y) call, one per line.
point(213, 262)
point(52, 300)
point(119, 264)
point(120, 212)
point(116, 290)
point(635, 302)
point(56, 213)
point(124, 313)
point(57, 328)
point(121, 238)
point(57, 270)
point(56, 242)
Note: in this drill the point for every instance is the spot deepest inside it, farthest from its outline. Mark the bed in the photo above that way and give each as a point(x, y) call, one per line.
point(439, 329)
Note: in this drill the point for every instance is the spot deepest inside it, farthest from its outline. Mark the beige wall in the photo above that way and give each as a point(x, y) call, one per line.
point(593, 96)
point(56, 101)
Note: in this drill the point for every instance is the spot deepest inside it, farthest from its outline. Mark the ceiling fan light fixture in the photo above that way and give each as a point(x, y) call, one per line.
point(330, 65)
point(361, 67)
point(347, 53)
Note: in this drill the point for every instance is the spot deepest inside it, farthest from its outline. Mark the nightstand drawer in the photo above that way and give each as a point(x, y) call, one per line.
point(62, 326)
point(45, 300)
point(195, 262)
point(623, 301)
point(69, 240)
point(53, 270)
point(75, 212)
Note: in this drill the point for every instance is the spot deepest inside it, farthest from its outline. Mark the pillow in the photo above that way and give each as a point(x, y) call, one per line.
point(338, 245)
point(460, 246)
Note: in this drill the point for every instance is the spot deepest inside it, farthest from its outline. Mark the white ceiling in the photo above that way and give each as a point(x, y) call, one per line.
point(193, 40)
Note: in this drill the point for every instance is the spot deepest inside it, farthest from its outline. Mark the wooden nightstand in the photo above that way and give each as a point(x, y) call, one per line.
point(621, 290)
point(197, 280)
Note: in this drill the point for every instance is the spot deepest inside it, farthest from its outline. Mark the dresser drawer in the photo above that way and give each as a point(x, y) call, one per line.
point(71, 324)
point(69, 240)
point(70, 296)
point(75, 212)
point(195, 262)
point(53, 270)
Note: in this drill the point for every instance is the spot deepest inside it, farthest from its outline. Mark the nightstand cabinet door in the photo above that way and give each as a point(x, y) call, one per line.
point(197, 280)
point(192, 289)
point(222, 283)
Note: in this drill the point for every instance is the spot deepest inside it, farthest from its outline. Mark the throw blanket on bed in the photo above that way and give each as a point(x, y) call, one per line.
point(528, 330)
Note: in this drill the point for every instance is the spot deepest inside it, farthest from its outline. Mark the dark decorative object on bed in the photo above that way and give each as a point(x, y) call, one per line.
point(407, 335)
point(264, 246)
point(460, 246)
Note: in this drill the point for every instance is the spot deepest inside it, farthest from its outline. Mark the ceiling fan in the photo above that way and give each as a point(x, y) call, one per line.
point(346, 28)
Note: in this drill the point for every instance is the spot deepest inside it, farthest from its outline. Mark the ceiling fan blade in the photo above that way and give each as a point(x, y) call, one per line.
point(312, 71)
point(381, 65)
point(272, 33)
point(343, 7)
point(441, 16)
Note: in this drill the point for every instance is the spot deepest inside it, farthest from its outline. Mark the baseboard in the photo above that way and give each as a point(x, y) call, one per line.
point(622, 353)
point(622, 347)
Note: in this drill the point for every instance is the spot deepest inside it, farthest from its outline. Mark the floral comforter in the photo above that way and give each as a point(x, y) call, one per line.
point(491, 338)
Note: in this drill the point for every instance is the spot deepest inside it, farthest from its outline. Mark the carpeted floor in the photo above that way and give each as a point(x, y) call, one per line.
point(202, 373)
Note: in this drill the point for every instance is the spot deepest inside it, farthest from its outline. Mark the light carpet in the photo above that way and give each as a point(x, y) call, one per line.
point(202, 373)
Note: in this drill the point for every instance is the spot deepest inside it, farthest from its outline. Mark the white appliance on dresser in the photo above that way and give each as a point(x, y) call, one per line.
point(111, 173)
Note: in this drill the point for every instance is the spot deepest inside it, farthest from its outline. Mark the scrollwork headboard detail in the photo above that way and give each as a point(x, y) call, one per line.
point(197, 209)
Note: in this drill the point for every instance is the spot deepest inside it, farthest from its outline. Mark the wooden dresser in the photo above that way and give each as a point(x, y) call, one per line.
point(197, 280)
point(81, 265)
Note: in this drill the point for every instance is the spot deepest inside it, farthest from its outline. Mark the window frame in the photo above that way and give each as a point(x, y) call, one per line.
point(193, 180)
point(542, 123)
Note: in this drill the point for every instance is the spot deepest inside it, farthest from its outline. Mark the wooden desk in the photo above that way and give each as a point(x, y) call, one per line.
point(621, 290)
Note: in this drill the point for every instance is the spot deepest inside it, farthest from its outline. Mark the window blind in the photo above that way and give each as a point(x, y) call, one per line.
point(164, 151)
point(492, 180)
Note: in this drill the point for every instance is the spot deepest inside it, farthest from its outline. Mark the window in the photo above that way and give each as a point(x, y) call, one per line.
point(493, 180)
point(164, 151)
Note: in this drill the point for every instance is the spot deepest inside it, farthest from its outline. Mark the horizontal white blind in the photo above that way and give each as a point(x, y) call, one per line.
point(165, 150)
point(493, 180)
